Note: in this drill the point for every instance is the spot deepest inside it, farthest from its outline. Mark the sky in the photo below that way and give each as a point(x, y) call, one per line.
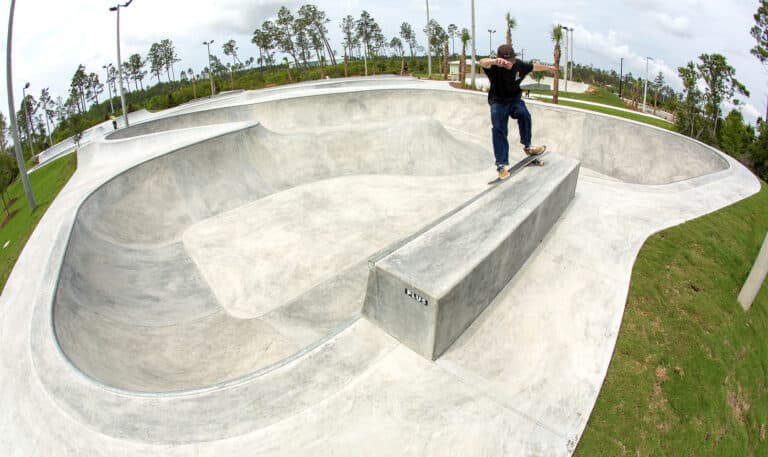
point(51, 38)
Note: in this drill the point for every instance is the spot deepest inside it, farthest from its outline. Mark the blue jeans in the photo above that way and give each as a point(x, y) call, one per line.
point(500, 114)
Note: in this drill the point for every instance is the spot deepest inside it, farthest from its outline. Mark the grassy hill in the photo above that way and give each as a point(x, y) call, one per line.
point(689, 375)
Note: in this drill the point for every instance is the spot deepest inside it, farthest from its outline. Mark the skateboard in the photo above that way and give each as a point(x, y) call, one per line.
point(527, 161)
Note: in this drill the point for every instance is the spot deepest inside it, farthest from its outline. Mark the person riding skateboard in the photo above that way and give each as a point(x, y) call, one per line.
point(506, 73)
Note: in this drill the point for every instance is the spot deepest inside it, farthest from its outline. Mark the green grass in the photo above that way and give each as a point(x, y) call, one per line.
point(600, 95)
point(624, 114)
point(689, 375)
point(46, 184)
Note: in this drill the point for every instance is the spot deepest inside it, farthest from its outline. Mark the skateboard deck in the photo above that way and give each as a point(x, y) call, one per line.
point(528, 160)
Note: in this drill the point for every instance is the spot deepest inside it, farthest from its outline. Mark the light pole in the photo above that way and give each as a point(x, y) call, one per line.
point(490, 41)
point(645, 89)
point(472, 70)
point(522, 54)
point(12, 111)
point(109, 88)
point(26, 116)
point(566, 57)
point(429, 46)
point(119, 59)
point(621, 79)
point(210, 67)
point(572, 29)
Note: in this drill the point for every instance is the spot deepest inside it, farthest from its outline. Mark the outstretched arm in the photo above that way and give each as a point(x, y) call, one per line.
point(488, 62)
point(540, 67)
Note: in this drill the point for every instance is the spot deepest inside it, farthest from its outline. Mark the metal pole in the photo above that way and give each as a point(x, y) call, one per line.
point(429, 46)
point(11, 109)
point(565, 89)
point(109, 89)
point(472, 70)
point(210, 66)
point(490, 41)
point(26, 116)
point(572, 29)
point(120, 66)
point(645, 89)
point(621, 79)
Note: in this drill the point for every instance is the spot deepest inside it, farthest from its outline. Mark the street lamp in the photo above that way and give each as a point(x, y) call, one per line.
point(12, 111)
point(645, 89)
point(572, 29)
point(26, 116)
point(109, 88)
point(490, 41)
point(210, 66)
point(429, 46)
point(566, 56)
point(472, 72)
point(621, 79)
point(119, 59)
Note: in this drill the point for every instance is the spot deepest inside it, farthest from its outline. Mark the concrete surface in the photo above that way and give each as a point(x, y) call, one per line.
point(756, 278)
point(428, 291)
point(116, 342)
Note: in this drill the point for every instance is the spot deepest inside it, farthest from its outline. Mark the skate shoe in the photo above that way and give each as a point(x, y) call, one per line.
point(502, 171)
point(534, 150)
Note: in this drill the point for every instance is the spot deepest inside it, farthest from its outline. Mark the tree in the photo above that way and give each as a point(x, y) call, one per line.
point(367, 31)
point(557, 37)
point(77, 88)
point(168, 57)
point(658, 83)
point(689, 109)
point(437, 37)
point(3, 134)
point(8, 172)
point(465, 38)
point(759, 152)
point(230, 49)
point(136, 71)
point(397, 46)
point(721, 85)
point(407, 34)
point(760, 32)
point(316, 20)
point(94, 88)
point(47, 104)
point(453, 32)
point(350, 40)
point(156, 60)
point(737, 137)
point(264, 39)
point(511, 25)
point(284, 33)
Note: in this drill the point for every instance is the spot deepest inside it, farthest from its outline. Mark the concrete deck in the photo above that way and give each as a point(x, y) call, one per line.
point(196, 287)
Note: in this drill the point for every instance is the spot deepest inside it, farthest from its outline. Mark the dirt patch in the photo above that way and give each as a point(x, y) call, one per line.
point(8, 218)
point(661, 378)
point(763, 430)
point(738, 403)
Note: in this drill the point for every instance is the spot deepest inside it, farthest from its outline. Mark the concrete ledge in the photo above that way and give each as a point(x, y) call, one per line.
point(428, 291)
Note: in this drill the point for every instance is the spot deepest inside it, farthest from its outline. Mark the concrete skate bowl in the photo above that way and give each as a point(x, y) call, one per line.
point(227, 258)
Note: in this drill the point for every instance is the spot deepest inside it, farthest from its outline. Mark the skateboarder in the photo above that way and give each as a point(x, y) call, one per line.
point(506, 73)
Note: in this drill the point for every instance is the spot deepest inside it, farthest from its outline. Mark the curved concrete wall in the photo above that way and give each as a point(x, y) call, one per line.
point(628, 151)
point(132, 308)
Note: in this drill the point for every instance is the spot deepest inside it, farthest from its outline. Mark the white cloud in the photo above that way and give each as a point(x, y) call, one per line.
point(678, 26)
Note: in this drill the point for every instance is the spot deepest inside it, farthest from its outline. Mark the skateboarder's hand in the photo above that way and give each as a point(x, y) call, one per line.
point(503, 63)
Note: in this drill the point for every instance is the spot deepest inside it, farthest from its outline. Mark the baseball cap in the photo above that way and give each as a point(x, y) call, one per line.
point(506, 52)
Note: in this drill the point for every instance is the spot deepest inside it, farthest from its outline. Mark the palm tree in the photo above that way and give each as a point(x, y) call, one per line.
point(557, 37)
point(465, 37)
point(511, 24)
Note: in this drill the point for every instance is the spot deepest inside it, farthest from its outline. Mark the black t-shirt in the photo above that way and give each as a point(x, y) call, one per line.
point(505, 84)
